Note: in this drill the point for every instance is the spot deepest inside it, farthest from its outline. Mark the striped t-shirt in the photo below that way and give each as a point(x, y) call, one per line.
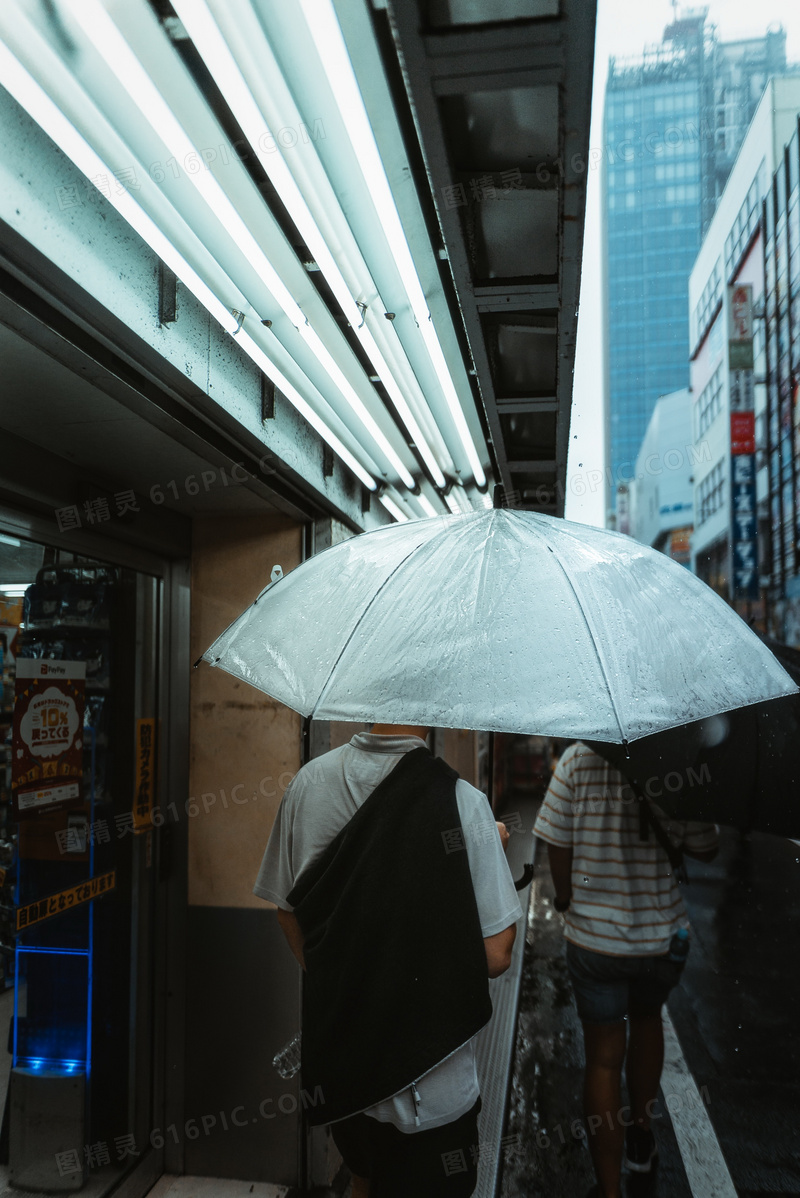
point(625, 899)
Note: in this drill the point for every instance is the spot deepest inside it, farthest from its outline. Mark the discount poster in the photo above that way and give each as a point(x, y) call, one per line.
point(47, 737)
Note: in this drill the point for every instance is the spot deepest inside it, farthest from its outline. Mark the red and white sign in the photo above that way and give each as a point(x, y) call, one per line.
point(743, 433)
point(740, 312)
point(47, 737)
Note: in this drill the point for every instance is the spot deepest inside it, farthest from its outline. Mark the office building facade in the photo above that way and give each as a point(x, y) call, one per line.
point(745, 501)
point(781, 427)
point(674, 121)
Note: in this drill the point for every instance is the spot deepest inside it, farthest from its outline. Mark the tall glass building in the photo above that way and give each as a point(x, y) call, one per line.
point(674, 120)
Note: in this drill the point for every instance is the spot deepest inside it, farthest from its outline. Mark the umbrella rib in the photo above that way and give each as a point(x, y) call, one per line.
point(594, 640)
point(341, 653)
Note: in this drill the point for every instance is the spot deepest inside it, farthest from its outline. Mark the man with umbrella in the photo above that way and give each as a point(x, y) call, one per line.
point(511, 621)
point(396, 898)
point(626, 933)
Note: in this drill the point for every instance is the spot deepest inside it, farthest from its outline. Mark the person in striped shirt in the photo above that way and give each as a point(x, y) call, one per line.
point(621, 907)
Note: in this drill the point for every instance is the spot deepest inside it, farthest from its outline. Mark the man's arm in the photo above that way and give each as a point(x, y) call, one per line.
point(505, 835)
point(560, 859)
point(498, 950)
point(555, 825)
point(292, 932)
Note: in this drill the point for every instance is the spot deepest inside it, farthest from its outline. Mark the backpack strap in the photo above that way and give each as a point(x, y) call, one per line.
point(647, 820)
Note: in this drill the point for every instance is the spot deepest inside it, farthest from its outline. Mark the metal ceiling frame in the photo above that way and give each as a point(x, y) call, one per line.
point(515, 54)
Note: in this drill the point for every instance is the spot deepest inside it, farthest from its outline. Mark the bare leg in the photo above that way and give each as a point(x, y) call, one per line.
point(605, 1053)
point(360, 1187)
point(644, 1064)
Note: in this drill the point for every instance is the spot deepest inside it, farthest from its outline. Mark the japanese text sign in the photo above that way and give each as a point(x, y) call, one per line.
point(47, 735)
point(144, 793)
point(65, 900)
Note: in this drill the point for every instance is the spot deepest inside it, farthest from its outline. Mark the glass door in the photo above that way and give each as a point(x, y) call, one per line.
point(79, 724)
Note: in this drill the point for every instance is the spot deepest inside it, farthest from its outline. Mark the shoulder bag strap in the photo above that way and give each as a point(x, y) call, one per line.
point(649, 819)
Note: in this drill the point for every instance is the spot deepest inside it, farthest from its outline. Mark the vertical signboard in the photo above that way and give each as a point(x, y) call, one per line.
point(743, 539)
point(47, 735)
point(744, 516)
point(145, 775)
point(740, 326)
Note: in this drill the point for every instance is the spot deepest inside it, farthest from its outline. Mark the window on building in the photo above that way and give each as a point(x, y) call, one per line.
point(709, 404)
point(744, 225)
point(710, 297)
point(710, 493)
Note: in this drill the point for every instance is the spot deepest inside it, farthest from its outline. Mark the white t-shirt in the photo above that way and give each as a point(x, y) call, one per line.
point(625, 900)
point(323, 797)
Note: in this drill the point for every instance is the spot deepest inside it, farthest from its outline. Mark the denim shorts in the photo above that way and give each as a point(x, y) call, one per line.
point(607, 989)
point(438, 1163)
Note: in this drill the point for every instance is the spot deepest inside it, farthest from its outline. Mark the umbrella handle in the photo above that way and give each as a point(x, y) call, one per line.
point(527, 877)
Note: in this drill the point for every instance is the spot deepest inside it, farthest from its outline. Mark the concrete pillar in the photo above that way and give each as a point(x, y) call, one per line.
point(460, 750)
point(243, 984)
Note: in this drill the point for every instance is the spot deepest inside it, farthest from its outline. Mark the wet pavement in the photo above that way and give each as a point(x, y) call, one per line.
point(738, 1011)
point(734, 1083)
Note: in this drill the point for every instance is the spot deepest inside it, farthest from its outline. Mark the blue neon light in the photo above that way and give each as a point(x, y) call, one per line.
point(44, 1064)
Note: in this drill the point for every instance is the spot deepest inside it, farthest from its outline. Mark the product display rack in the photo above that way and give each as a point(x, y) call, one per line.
point(52, 1026)
point(71, 986)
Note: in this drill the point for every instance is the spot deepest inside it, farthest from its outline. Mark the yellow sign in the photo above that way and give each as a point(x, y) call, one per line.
point(145, 775)
point(65, 900)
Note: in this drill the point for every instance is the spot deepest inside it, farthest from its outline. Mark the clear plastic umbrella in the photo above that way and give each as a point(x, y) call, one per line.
point(503, 621)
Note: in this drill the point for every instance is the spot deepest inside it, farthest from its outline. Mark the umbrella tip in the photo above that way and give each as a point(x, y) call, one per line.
point(499, 496)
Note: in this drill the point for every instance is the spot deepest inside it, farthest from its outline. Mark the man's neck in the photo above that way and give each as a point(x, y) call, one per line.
point(400, 730)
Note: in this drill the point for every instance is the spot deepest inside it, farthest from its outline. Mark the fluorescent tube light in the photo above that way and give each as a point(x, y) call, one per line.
point(393, 509)
point(326, 359)
point(28, 93)
point(304, 408)
point(108, 40)
point(326, 33)
point(223, 67)
point(426, 505)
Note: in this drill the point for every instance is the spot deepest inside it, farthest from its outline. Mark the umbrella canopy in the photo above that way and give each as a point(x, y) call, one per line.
point(741, 768)
point(504, 621)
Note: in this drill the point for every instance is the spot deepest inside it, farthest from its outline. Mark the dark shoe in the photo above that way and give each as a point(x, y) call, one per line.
point(641, 1151)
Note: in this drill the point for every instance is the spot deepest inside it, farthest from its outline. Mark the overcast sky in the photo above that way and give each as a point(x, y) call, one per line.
point(624, 27)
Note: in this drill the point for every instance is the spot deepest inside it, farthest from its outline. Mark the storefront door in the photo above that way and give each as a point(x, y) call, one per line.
point(80, 817)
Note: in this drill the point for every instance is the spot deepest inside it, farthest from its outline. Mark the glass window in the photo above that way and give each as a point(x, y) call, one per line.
point(793, 155)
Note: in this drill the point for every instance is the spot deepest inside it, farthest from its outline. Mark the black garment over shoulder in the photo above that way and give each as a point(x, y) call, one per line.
point(396, 974)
